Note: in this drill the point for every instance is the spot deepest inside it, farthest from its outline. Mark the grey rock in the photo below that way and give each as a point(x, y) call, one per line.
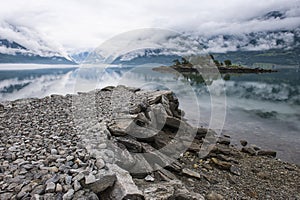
point(54, 152)
point(55, 178)
point(22, 194)
point(90, 179)
point(235, 170)
point(214, 196)
point(243, 143)
point(173, 189)
point(68, 179)
point(79, 176)
point(131, 144)
point(69, 195)
point(249, 150)
point(79, 195)
point(266, 153)
point(59, 188)
point(99, 163)
point(155, 97)
point(122, 126)
point(164, 174)
point(124, 187)
point(221, 164)
point(223, 140)
point(105, 180)
point(149, 178)
point(191, 173)
point(70, 158)
point(91, 196)
point(36, 197)
point(40, 189)
point(2, 108)
point(77, 185)
point(141, 167)
point(50, 187)
point(49, 196)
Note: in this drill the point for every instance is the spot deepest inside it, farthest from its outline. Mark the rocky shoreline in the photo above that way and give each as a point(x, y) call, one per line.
point(104, 145)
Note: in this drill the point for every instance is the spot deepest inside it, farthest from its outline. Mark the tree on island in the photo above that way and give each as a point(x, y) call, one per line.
point(184, 61)
point(227, 63)
point(217, 63)
point(177, 62)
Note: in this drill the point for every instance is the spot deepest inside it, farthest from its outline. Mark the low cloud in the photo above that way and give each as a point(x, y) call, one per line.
point(86, 24)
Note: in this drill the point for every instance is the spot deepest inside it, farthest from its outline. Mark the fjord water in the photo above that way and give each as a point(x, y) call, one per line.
point(263, 109)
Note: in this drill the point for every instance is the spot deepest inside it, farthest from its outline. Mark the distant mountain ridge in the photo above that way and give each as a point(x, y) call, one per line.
point(20, 44)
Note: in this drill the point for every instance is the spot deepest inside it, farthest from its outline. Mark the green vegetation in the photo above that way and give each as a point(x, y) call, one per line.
point(184, 62)
point(227, 63)
point(176, 62)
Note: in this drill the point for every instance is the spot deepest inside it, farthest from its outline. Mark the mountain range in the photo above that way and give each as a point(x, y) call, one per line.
point(19, 44)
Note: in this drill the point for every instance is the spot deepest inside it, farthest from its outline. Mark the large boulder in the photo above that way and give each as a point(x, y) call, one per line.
point(124, 187)
point(100, 182)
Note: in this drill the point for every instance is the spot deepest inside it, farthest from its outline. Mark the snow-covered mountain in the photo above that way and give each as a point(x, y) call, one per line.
point(80, 55)
point(20, 44)
point(281, 40)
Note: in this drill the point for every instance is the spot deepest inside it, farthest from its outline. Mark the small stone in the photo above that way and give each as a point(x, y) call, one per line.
point(91, 196)
point(79, 176)
point(54, 179)
point(22, 194)
point(35, 197)
point(256, 148)
point(13, 156)
point(13, 149)
point(49, 196)
point(68, 180)
point(100, 163)
point(70, 158)
point(77, 185)
point(6, 195)
point(262, 175)
point(90, 179)
point(69, 195)
point(249, 151)
point(235, 170)
point(267, 153)
point(214, 196)
point(243, 143)
point(59, 188)
point(191, 173)
point(53, 152)
point(221, 164)
point(40, 189)
point(50, 187)
point(79, 162)
point(224, 141)
point(102, 146)
point(149, 178)
point(53, 169)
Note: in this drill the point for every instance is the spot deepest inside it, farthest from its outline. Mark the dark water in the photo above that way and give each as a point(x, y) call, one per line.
point(261, 108)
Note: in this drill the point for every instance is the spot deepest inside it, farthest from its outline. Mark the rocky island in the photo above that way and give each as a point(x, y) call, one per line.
point(104, 144)
point(211, 66)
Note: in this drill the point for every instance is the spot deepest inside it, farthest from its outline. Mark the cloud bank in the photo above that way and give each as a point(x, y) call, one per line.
point(86, 24)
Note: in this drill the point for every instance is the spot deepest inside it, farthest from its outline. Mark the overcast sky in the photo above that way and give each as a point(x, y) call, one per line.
point(87, 23)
